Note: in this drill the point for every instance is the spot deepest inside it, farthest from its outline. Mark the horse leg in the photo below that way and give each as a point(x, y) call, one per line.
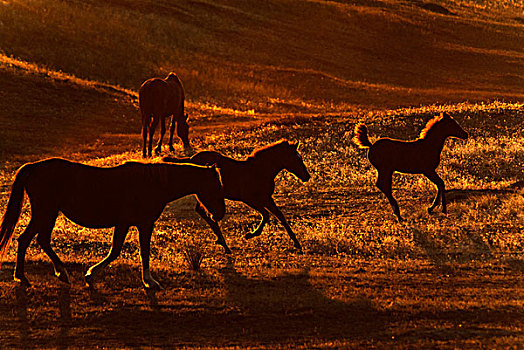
point(263, 222)
point(42, 221)
point(433, 177)
point(214, 226)
point(119, 236)
point(384, 182)
point(171, 132)
point(272, 207)
point(23, 243)
point(152, 128)
point(144, 236)
point(44, 240)
point(158, 148)
point(144, 138)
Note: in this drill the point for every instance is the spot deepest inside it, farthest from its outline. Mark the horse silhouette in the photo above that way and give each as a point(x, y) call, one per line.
point(158, 99)
point(252, 181)
point(421, 156)
point(132, 194)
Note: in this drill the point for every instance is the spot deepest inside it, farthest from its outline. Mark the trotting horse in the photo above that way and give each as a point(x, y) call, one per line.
point(421, 156)
point(252, 181)
point(158, 99)
point(132, 194)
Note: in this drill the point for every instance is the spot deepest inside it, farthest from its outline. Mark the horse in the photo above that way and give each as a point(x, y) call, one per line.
point(252, 181)
point(158, 99)
point(131, 194)
point(420, 156)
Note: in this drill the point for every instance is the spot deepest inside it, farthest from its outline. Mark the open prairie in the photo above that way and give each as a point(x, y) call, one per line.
point(257, 72)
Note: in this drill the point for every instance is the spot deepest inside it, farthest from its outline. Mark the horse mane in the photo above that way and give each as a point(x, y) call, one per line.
point(261, 150)
point(429, 125)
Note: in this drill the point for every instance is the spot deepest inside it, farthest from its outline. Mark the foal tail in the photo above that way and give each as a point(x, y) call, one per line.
point(361, 136)
point(14, 207)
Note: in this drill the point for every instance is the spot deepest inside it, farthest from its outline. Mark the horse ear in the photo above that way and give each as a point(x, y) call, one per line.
point(445, 115)
point(294, 145)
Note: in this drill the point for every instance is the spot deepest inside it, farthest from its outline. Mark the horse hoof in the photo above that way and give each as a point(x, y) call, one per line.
point(22, 281)
point(152, 286)
point(63, 276)
point(252, 234)
point(89, 279)
point(171, 149)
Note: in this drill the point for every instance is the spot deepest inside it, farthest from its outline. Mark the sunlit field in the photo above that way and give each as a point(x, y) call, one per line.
point(254, 73)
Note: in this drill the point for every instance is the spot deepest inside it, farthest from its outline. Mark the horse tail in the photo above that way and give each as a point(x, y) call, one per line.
point(176, 160)
point(361, 136)
point(14, 207)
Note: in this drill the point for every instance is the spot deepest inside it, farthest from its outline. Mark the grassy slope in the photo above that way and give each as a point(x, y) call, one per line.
point(363, 280)
point(280, 54)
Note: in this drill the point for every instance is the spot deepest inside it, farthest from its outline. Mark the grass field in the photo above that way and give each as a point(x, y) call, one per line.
point(256, 72)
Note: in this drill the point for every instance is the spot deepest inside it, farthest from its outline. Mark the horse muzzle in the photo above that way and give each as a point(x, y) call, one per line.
point(463, 135)
point(305, 177)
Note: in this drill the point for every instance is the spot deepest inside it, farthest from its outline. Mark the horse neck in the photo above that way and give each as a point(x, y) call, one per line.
point(266, 163)
point(435, 140)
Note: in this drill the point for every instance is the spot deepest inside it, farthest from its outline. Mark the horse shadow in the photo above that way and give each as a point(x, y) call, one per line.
point(18, 320)
point(252, 310)
point(462, 195)
point(289, 307)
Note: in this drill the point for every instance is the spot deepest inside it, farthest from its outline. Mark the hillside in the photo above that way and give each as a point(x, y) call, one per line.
point(282, 55)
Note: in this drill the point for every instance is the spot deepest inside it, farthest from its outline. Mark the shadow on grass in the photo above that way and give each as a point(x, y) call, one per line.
point(217, 310)
point(443, 260)
point(257, 310)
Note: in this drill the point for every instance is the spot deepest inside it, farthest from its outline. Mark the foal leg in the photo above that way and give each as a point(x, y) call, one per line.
point(272, 207)
point(214, 226)
point(119, 236)
point(158, 148)
point(384, 181)
point(433, 177)
point(144, 236)
point(263, 222)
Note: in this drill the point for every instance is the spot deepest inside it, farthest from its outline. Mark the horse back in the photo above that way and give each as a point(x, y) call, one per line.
point(161, 98)
point(93, 196)
point(402, 156)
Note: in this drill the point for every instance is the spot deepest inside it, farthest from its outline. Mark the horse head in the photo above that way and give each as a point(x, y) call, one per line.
point(453, 129)
point(293, 162)
point(212, 194)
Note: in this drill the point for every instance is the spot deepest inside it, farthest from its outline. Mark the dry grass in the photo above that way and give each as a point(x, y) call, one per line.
point(363, 279)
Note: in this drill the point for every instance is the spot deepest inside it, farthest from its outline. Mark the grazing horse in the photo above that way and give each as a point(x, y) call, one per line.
point(252, 181)
point(421, 156)
point(158, 99)
point(132, 194)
